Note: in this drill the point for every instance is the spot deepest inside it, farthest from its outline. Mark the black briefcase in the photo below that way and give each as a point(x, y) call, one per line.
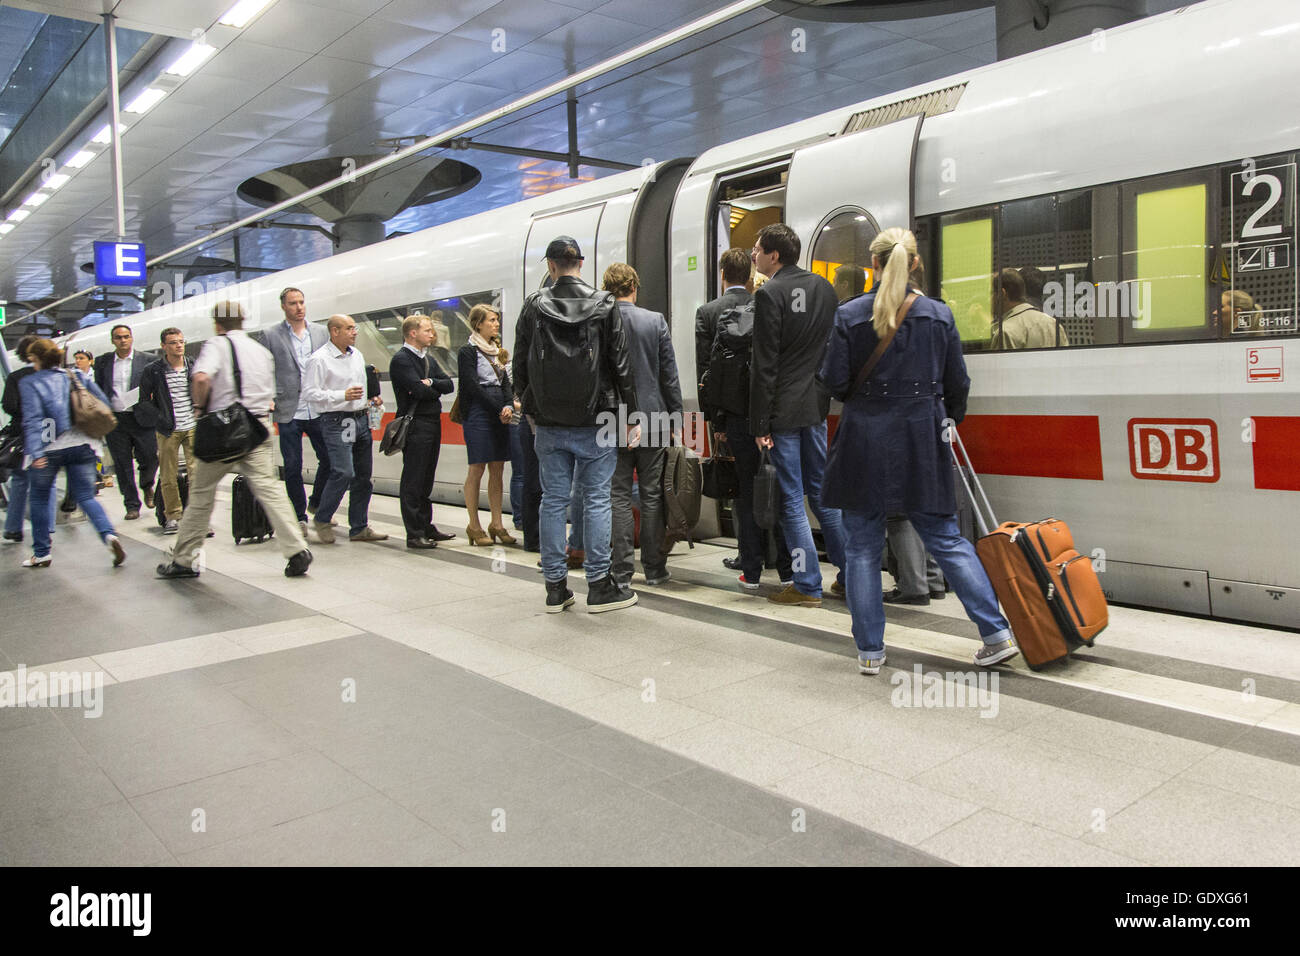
point(719, 478)
point(767, 495)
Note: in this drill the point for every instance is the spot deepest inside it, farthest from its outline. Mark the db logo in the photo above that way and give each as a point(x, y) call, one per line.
point(1173, 449)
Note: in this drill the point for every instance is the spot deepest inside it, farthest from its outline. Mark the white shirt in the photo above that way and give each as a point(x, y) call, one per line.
point(302, 354)
point(329, 374)
point(256, 370)
point(121, 380)
point(419, 352)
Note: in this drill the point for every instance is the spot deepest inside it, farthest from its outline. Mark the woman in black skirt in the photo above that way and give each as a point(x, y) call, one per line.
point(486, 410)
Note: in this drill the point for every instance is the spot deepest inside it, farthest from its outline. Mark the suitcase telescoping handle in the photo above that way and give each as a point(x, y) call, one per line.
point(955, 444)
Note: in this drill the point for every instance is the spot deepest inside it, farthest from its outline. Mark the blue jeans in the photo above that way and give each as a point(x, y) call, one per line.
point(79, 462)
point(291, 451)
point(18, 495)
point(573, 464)
point(800, 459)
point(865, 542)
point(517, 470)
point(351, 455)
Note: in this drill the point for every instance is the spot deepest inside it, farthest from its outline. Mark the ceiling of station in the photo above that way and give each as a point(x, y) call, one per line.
point(329, 78)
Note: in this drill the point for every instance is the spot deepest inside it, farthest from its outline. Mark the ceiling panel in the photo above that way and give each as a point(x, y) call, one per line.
point(442, 17)
point(380, 43)
point(295, 25)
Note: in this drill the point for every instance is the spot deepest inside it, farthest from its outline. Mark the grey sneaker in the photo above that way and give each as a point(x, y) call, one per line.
point(871, 665)
point(990, 654)
point(654, 578)
point(172, 526)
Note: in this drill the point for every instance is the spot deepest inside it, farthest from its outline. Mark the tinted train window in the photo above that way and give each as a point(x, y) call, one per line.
point(841, 252)
point(1029, 245)
point(966, 274)
point(1255, 272)
point(380, 331)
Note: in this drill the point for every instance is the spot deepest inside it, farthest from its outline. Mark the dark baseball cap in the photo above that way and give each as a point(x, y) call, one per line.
point(564, 247)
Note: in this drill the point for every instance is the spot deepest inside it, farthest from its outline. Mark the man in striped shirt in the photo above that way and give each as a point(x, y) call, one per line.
point(166, 387)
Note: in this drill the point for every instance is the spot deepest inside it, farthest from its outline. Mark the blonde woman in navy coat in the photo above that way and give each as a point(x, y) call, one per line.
point(889, 453)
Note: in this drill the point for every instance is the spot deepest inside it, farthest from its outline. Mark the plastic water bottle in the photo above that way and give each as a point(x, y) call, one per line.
point(376, 413)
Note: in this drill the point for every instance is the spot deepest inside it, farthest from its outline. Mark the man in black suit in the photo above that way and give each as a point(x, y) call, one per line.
point(793, 314)
point(118, 374)
point(736, 269)
point(419, 385)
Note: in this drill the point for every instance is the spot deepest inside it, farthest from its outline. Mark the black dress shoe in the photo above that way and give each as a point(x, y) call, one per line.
point(732, 564)
point(298, 564)
point(421, 544)
point(132, 514)
point(433, 534)
point(174, 570)
point(13, 536)
point(938, 595)
point(897, 597)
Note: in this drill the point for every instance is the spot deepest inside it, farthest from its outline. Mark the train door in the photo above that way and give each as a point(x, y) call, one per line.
point(580, 224)
point(842, 192)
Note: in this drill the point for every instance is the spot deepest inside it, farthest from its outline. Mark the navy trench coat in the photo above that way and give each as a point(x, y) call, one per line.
point(888, 452)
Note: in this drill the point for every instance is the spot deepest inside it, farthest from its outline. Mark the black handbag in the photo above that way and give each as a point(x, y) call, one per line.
point(719, 478)
point(11, 449)
point(767, 495)
point(230, 433)
point(394, 439)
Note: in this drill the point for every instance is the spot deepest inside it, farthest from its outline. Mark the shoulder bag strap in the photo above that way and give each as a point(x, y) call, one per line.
point(234, 358)
point(883, 344)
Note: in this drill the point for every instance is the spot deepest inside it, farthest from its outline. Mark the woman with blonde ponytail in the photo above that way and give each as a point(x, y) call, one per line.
point(889, 453)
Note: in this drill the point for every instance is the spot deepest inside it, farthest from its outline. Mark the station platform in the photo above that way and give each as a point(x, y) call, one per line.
point(399, 707)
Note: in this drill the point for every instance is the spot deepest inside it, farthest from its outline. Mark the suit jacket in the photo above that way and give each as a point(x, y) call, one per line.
point(793, 315)
point(706, 325)
point(155, 393)
point(288, 376)
point(143, 415)
point(654, 369)
point(407, 373)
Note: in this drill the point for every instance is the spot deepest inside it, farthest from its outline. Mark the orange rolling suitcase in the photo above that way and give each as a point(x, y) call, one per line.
point(1049, 591)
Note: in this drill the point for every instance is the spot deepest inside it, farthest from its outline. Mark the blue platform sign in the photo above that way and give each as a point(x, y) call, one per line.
point(120, 263)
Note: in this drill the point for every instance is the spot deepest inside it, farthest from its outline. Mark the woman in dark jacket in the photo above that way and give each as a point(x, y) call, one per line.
point(486, 410)
point(20, 479)
point(52, 440)
point(889, 452)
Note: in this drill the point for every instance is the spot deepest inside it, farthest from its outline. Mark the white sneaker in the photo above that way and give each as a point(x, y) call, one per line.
point(172, 527)
point(871, 665)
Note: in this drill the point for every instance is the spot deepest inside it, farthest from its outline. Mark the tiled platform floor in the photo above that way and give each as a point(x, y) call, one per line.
point(406, 708)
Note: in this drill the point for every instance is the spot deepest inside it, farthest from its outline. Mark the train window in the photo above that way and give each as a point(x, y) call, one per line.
point(1255, 273)
point(1163, 293)
point(1029, 247)
point(841, 251)
point(966, 274)
point(380, 331)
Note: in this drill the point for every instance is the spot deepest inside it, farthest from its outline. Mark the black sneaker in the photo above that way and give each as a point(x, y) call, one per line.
point(896, 596)
point(732, 564)
point(174, 570)
point(298, 564)
point(558, 596)
point(608, 595)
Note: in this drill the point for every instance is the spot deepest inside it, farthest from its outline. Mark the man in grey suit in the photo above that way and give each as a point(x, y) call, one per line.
point(292, 343)
point(118, 375)
point(659, 397)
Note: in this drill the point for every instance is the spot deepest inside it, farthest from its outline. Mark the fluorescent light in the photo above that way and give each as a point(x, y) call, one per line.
point(35, 199)
point(80, 159)
point(18, 215)
point(6, 227)
point(242, 12)
point(191, 59)
point(57, 181)
point(103, 137)
point(145, 101)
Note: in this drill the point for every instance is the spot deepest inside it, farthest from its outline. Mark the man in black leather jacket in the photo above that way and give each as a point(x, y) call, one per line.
point(573, 375)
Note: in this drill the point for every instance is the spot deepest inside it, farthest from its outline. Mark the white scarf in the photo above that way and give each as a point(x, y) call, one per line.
point(488, 348)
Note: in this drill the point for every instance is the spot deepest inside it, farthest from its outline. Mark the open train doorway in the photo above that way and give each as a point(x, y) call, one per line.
point(745, 202)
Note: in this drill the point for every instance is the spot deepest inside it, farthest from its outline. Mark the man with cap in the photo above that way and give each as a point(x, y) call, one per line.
point(573, 374)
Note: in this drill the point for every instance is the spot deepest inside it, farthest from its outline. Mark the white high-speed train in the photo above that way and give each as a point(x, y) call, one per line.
point(1147, 172)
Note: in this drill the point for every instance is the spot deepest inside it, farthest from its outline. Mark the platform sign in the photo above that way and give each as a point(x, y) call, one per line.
point(1263, 296)
point(120, 263)
point(1264, 364)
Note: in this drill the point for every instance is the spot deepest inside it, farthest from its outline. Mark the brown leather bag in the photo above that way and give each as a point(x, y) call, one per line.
point(89, 414)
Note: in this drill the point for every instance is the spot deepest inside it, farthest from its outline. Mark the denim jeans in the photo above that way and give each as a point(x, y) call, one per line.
point(351, 452)
point(865, 540)
point(19, 486)
point(800, 459)
point(79, 462)
point(291, 451)
point(517, 469)
point(573, 464)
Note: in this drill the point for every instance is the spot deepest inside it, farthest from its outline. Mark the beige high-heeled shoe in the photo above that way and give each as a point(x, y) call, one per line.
point(478, 537)
point(499, 533)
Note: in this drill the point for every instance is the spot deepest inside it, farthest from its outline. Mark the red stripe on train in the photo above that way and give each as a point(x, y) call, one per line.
point(1277, 466)
point(452, 434)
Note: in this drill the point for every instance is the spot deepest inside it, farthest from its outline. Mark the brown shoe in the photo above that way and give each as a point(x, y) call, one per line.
point(575, 559)
point(324, 532)
point(478, 537)
point(793, 597)
point(499, 533)
point(368, 534)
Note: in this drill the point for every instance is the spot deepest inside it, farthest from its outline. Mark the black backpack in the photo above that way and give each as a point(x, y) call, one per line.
point(563, 369)
point(725, 385)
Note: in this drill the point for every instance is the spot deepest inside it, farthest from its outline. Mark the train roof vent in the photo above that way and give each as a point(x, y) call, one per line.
point(927, 104)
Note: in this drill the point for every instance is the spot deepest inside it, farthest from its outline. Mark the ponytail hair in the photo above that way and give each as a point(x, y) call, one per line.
point(896, 250)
